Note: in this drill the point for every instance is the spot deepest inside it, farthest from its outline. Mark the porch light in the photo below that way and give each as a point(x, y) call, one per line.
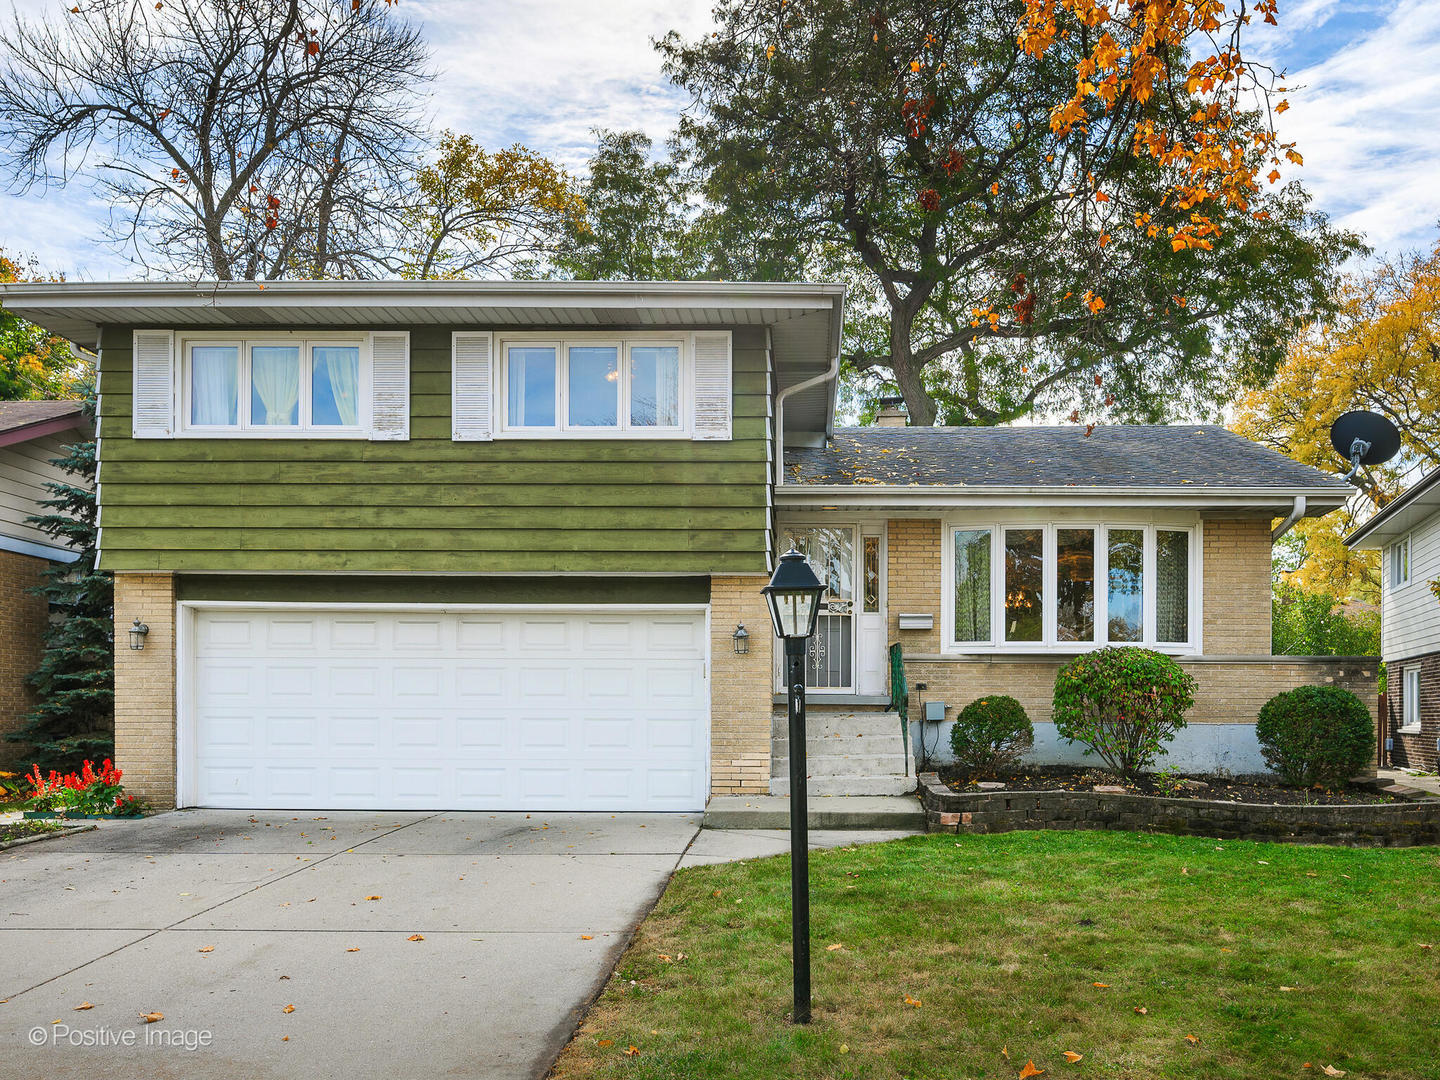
point(794, 596)
point(138, 630)
point(741, 637)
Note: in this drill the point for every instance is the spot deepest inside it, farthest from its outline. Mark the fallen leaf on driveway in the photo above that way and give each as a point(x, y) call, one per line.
point(372, 898)
point(416, 937)
point(83, 1006)
point(284, 1038)
point(1030, 1070)
point(1072, 1057)
point(288, 1009)
point(149, 1018)
point(587, 937)
point(206, 948)
point(356, 949)
point(1330, 1070)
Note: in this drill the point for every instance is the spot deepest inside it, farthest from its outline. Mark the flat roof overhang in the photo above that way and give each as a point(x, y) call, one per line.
point(1277, 502)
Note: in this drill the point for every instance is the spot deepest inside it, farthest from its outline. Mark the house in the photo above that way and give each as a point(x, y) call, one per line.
point(32, 434)
point(491, 545)
point(1407, 534)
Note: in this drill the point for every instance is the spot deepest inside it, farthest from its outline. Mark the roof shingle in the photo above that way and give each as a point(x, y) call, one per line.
point(19, 414)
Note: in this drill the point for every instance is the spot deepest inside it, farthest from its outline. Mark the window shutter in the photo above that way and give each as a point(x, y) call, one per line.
point(471, 399)
point(390, 386)
point(712, 385)
point(153, 404)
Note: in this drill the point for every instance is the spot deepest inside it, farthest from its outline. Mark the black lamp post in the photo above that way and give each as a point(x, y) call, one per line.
point(794, 596)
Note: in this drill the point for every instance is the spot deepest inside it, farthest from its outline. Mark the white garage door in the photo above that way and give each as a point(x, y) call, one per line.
point(488, 710)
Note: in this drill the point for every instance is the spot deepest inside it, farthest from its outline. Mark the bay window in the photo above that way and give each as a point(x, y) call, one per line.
point(284, 385)
point(587, 386)
point(1065, 587)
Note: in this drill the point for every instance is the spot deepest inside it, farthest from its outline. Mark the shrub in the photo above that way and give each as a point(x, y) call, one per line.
point(991, 733)
point(90, 791)
point(1315, 735)
point(1122, 702)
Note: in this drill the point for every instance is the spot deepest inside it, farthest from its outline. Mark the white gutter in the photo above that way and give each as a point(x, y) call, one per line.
point(825, 376)
point(1297, 511)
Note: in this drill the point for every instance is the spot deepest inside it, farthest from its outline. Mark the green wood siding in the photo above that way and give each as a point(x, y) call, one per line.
point(430, 504)
point(412, 589)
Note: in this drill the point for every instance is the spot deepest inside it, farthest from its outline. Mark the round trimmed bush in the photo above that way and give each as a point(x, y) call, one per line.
point(990, 734)
point(1122, 702)
point(1315, 735)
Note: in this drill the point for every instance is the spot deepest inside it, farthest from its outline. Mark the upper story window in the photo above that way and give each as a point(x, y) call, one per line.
point(282, 385)
point(588, 386)
point(1400, 563)
point(1067, 587)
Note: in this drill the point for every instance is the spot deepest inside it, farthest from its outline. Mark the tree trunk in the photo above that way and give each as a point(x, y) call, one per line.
point(907, 373)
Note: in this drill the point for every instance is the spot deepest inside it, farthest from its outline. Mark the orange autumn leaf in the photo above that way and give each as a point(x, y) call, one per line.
point(603, 1043)
point(416, 937)
point(372, 898)
point(356, 949)
point(587, 937)
point(632, 1051)
point(1030, 1070)
point(288, 1009)
point(1101, 197)
point(995, 188)
point(1142, 1010)
point(1101, 986)
point(1192, 1039)
point(312, 48)
point(912, 1001)
point(1072, 1057)
point(834, 948)
point(83, 1006)
point(206, 948)
point(1104, 239)
point(1005, 1051)
point(152, 1017)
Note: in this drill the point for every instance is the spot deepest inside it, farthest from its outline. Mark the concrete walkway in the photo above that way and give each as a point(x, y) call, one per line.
point(1428, 784)
point(220, 920)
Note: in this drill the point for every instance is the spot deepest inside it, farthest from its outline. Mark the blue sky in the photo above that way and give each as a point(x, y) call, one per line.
point(545, 72)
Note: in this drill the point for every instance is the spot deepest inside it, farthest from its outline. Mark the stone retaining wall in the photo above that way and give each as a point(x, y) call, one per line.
point(1403, 824)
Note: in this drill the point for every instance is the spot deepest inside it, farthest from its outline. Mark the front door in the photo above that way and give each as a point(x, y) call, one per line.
point(830, 658)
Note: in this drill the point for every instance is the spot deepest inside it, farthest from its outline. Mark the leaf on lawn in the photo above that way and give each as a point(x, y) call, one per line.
point(632, 1051)
point(416, 937)
point(1142, 1010)
point(1192, 1039)
point(152, 1017)
point(1427, 947)
point(83, 1006)
point(1072, 1057)
point(603, 1043)
point(1005, 1051)
point(1330, 1070)
point(372, 898)
point(838, 946)
point(1288, 989)
point(1030, 1070)
point(288, 1009)
point(665, 958)
point(1101, 986)
point(912, 1001)
point(206, 948)
point(844, 1048)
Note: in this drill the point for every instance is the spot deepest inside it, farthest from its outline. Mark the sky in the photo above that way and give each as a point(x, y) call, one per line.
point(1365, 114)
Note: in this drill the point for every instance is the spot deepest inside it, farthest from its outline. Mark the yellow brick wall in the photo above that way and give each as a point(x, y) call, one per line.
point(1236, 574)
point(914, 586)
point(740, 688)
point(145, 687)
point(23, 618)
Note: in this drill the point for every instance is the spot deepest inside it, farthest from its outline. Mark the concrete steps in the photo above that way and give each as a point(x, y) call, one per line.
point(846, 753)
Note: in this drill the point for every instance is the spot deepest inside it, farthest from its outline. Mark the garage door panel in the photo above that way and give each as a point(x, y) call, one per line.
point(483, 711)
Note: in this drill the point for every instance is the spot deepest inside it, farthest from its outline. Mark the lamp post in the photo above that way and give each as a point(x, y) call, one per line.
point(794, 597)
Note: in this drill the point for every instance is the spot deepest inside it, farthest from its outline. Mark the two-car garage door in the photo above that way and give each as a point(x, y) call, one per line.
point(464, 710)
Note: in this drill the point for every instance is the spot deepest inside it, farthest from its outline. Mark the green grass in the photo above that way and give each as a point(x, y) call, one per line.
point(15, 830)
point(1002, 938)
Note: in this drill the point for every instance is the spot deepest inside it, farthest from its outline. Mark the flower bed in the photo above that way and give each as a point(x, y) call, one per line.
point(90, 793)
point(1174, 785)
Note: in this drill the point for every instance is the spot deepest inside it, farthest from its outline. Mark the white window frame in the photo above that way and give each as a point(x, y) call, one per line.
point(1399, 575)
point(1410, 700)
point(1050, 642)
point(246, 428)
point(623, 343)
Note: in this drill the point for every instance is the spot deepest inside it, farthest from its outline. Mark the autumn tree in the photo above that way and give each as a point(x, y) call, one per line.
point(234, 140)
point(475, 212)
point(34, 363)
point(1379, 350)
point(1038, 202)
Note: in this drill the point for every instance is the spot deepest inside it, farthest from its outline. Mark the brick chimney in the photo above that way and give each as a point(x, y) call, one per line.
point(892, 413)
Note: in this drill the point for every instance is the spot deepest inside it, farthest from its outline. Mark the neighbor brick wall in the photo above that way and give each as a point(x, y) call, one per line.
point(740, 688)
point(1415, 749)
point(913, 580)
point(23, 618)
point(1236, 573)
point(145, 687)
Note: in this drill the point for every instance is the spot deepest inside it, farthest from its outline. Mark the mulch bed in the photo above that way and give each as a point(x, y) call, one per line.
point(1213, 788)
point(16, 830)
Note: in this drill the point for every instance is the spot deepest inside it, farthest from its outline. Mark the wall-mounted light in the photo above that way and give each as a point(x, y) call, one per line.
point(138, 630)
point(741, 637)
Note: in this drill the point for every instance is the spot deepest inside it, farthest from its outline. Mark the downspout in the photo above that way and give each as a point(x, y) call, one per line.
point(1297, 511)
point(825, 376)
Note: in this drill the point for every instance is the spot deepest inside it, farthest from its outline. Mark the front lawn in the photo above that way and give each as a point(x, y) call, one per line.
point(1270, 957)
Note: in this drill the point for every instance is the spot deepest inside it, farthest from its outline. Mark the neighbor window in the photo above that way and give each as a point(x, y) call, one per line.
point(273, 386)
point(594, 387)
point(1400, 563)
point(1070, 586)
point(1410, 700)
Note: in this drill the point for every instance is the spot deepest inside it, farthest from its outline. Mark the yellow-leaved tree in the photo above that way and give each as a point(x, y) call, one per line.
point(1381, 352)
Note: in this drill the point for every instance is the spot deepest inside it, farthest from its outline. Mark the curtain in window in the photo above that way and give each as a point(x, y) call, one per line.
point(340, 367)
point(275, 374)
point(972, 585)
point(1172, 586)
point(215, 385)
point(667, 388)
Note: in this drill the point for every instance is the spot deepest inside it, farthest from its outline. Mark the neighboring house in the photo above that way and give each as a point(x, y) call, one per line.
point(1407, 535)
point(32, 434)
point(487, 545)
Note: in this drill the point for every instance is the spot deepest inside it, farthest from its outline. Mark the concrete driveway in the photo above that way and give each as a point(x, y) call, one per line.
point(220, 920)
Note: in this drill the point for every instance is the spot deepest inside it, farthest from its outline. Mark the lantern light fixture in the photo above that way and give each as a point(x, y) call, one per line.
point(138, 630)
point(741, 638)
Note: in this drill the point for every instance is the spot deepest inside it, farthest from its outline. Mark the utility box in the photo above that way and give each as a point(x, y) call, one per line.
point(934, 712)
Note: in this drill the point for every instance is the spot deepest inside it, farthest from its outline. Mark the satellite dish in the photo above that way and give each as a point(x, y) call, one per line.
point(1364, 438)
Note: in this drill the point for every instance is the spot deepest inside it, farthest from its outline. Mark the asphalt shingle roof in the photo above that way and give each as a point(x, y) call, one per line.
point(1137, 456)
point(19, 414)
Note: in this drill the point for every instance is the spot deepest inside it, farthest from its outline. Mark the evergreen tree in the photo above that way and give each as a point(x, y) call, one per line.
point(75, 717)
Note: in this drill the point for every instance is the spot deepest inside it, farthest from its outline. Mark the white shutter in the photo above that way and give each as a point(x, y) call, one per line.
point(390, 386)
point(153, 403)
point(471, 396)
point(712, 385)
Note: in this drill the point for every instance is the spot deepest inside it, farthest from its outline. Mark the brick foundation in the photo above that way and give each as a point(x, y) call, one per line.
point(23, 619)
point(740, 688)
point(1414, 749)
point(145, 687)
